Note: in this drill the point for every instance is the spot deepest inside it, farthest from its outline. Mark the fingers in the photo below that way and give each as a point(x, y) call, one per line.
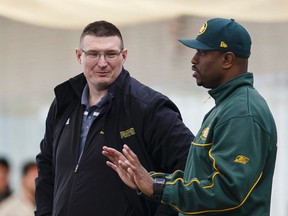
point(125, 160)
point(112, 165)
point(116, 158)
point(129, 152)
point(111, 151)
point(112, 154)
point(111, 158)
point(131, 158)
point(129, 168)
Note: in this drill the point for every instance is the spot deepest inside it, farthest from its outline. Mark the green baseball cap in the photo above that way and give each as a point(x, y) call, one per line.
point(224, 35)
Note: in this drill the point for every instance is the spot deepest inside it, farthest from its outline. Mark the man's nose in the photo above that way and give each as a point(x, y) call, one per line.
point(102, 60)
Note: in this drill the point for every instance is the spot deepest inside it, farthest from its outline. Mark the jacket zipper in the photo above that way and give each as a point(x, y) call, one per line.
point(76, 168)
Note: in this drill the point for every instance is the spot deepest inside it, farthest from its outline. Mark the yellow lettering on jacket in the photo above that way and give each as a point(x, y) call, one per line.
point(127, 133)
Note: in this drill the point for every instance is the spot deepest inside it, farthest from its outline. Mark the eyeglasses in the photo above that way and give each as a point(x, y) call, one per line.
point(93, 55)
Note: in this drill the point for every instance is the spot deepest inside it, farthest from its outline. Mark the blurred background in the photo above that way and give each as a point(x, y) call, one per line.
point(39, 37)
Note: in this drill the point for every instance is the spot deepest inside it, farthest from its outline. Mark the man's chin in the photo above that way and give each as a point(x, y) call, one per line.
point(101, 85)
point(198, 82)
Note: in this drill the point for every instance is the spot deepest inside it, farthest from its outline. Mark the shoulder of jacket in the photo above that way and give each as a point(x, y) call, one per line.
point(144, 93)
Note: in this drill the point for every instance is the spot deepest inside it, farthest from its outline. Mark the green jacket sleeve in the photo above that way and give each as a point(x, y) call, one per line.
point(225, 169)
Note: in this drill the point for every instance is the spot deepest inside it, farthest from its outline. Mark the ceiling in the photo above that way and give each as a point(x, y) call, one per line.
point(77, 13)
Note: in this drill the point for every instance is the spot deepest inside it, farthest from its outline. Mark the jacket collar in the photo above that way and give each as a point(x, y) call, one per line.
point(223, 91)
point(119, 83)
point(72, 89)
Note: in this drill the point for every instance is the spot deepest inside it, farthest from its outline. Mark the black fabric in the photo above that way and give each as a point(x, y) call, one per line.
point(136, 115)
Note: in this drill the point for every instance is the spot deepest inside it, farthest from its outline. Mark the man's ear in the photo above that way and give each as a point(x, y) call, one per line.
point(228, 60)
point(78, 55)
point(124, 55)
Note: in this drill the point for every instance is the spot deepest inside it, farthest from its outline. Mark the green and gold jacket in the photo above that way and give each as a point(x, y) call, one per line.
point(230, 165)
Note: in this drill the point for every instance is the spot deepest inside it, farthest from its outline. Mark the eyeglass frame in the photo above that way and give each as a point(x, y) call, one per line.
point(99, 54)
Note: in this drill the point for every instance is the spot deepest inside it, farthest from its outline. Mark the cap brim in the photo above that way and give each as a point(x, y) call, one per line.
point(195, 44)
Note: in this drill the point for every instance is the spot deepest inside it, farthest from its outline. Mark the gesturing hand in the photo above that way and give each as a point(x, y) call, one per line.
point(129, 169)
point(117, 163)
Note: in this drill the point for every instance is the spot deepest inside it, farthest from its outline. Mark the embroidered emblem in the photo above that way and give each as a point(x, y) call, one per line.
point(67, 122)
point(101, 132)
point(241, 159)
point(127, 133)
point(203, 28)
point(204, 133)
point(223, 44)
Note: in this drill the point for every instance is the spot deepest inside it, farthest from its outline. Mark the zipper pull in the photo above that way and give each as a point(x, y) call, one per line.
point(76, 168)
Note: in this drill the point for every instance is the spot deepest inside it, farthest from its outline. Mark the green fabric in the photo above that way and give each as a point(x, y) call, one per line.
point(230, 165)
point(223, 35)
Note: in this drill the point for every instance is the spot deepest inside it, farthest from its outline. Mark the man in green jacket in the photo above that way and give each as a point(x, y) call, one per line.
point(231, 162)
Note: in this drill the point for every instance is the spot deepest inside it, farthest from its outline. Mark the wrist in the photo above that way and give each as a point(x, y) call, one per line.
point(158, 188)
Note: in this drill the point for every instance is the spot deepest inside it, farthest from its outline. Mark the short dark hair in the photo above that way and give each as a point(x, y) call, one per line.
point(4, 162)
point(101, 28)
point(27, 166)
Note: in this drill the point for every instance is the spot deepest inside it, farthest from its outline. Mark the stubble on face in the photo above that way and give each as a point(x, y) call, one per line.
point(207, 69)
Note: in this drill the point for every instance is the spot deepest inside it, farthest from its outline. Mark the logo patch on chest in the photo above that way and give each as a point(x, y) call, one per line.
point(241, 159)
point(204, 133)
point(127, 133)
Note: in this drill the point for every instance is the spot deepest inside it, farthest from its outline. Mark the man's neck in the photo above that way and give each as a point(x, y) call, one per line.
point(95, 96)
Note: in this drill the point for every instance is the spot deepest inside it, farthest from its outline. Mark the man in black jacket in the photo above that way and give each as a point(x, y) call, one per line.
point(105, 106)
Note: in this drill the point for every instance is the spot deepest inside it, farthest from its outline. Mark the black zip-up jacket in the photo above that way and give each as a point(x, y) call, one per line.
point(135, 115)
